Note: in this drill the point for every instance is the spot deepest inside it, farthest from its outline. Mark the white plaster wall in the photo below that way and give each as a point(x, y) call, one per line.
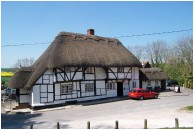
point(89, 76)
point(121, 76)
point(36, 95)
point(39, 80)
point(131, 83)
point(23, 91)
point(100, 87)
point(60, 77)
point(136, 73)
point(78, 76)
point(114, 69)
point(100, 73)
point(24, 98)
point(125, 88)
point(126, 69)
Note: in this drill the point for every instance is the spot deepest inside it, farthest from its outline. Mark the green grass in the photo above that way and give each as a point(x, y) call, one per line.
point(7, 69)
point(188, 108)
point(177, 128)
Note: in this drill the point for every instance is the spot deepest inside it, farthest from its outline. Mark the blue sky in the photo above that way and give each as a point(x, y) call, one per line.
point(40, 22)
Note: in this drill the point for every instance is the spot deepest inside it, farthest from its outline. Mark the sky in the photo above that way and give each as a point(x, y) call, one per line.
point(40, 22)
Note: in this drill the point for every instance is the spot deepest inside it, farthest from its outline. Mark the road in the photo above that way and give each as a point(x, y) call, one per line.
point(159, 112)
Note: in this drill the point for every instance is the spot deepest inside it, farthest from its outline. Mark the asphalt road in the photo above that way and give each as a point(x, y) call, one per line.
point(159, 112)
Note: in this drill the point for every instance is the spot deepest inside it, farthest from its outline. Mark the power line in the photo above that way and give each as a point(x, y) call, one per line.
point(138, 35)
point(23, 44)
point(134, 35)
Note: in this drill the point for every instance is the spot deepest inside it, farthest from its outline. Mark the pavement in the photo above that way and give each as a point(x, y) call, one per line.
point(167, 93)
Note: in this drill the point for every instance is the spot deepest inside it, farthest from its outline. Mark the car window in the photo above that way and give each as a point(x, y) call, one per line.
point(146, 90)
point(139, 91)
point(133, 91)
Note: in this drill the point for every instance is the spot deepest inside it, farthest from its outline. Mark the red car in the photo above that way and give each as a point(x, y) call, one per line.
point(141, 93)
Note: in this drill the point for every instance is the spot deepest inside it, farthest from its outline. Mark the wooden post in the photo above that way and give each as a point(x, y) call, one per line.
point(176, 123)
point(31, 126)
point(145, 124)
point(58, 126)
point(88, 125)
point(116, 124)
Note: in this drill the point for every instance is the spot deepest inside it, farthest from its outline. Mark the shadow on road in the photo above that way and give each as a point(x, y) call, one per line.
point(17, 121)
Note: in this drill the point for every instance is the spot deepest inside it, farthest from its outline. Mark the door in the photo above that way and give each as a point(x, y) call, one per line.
point(163, 84)
point(119, 89)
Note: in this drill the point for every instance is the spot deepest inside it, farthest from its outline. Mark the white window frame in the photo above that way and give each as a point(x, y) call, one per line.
point(66, 88)
point(110, 86)
point(89, 87)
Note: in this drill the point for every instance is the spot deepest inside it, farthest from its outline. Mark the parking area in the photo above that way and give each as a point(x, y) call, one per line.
point(159, 112)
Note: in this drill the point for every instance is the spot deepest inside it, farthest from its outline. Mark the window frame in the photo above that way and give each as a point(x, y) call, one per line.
point(89, 87)
point(110, 86)
point(120, 69)
point(66, 89)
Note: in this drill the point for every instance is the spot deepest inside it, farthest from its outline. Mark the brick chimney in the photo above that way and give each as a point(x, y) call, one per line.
point(90, 31)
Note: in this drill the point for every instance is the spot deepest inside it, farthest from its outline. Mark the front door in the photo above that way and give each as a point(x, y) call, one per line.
point(119, 89)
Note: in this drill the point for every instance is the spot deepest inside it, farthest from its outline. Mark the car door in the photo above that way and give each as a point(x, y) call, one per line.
point(146, 93)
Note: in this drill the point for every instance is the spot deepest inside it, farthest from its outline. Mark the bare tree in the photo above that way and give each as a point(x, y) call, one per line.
point(26, 62)
point(138, 51)
point(185, 49)
point(157, 52)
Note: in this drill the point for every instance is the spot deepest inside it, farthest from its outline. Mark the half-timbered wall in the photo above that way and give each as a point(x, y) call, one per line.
point(68, 84)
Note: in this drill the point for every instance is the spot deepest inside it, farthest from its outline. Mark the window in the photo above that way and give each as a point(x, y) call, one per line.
point(89, 87)
point(134, 84)
point(149, 83)
point(120, 69)
point(66, 88)
point(89, 70)
point(110, 85)
point(156, 82)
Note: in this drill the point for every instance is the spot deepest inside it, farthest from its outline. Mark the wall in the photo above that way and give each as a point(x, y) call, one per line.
point(24, 96)
point(46, 90)
point(145, 83)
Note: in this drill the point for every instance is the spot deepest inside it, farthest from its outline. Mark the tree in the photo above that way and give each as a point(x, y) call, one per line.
point(26, 62)
point(180, 62)
point(157, 52)
point(138, 51)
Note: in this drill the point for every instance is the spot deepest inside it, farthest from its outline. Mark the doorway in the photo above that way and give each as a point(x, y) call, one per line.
point(119, 89)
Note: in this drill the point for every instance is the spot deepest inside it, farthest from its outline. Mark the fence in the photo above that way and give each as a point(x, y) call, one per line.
point(117, 124)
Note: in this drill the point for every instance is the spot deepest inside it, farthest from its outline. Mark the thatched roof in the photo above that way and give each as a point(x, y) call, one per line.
point(77, 50)
point(153, 74)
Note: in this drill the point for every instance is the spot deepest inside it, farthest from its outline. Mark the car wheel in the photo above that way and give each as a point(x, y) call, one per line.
point(141, 98)
point(156, 96)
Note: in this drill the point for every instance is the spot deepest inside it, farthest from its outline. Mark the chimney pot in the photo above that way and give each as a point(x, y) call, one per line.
point(90, 31)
